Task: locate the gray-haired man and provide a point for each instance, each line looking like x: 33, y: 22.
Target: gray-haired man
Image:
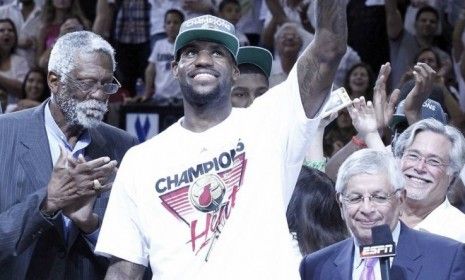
x: 432, y: 155
x: 57, y: 161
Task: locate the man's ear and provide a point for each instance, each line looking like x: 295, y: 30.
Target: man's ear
x: 53, y: 81
x: 235, y: 72
x: 174, y: 68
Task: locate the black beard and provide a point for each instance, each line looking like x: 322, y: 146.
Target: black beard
x: 197, y: 99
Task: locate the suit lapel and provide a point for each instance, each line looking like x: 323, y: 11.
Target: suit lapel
x: 344, y: 260
x: 35, y: 157
x: 408, y: 255
x: 34, y: 149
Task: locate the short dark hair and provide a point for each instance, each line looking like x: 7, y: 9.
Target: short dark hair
x: 428, y: 49
x: 15, y: 45
x: 248, y: 68
x: 427, y: 9
x: 174, y: 11
x: 313, y: 213
x: 226, y: 2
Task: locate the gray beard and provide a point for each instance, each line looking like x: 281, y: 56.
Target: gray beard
x: 87, y: 113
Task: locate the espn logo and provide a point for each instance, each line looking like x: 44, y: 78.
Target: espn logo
x: 377, y: 251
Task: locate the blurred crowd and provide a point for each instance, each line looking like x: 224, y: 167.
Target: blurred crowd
x: 143, y: 32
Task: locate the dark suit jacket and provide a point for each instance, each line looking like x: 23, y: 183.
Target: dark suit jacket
x: 32, y: 247
x: 419, y: 255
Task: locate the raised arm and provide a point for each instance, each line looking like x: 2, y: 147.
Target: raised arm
x: 318, y: 64
x: 394, y: 23
x: 457, y: 44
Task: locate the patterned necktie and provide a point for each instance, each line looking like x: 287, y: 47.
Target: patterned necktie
x: 368, y: 272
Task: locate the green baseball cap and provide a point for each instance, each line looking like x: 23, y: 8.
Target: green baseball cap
x: 207, y: 28
x: 257, y: 56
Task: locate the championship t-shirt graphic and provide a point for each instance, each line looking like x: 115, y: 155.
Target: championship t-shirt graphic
x: 204, y: 195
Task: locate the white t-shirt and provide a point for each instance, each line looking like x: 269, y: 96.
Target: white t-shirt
x: 162, y: 55
x: 162, y: 205
x: 445, y: 220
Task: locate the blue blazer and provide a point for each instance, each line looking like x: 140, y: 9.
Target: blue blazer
x: 419, y: 255
x: 31, y: 246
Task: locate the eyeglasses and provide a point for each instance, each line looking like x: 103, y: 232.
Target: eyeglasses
x: 430, y: 161
x: 93, y: 86
x: 376, y: 198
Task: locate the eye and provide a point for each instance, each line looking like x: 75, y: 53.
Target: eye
x: 189, y: 52
x: 413, y: 157
x: 238, y: 94
x: 380, y: 198
x: 433, y: 162
x: 354, y: 198
x: 218, y: 53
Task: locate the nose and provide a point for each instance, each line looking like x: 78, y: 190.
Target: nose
x: 204, y: 58
x: 98, y: 93
x: 420, y: 164
x: 366, y: 205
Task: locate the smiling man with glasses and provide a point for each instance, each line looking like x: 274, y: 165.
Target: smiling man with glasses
x: 370, y: 192
x: 432, y: 155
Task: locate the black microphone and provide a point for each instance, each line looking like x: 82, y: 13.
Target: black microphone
x: 383, y: 247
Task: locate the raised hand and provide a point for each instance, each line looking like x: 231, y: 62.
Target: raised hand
x: 364, y: 120
x: 384, y: 107
x: 424, y: 80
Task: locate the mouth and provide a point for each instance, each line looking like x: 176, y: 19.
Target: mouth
x: 204, y: 76
x: 416, y: 179
x: 366, y: 223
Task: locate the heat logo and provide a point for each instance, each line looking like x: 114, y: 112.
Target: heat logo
x: 206, y: 194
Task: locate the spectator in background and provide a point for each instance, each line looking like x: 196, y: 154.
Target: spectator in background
x: 71, y: 24
x: 131, y: 39
x: 338, y: 134
x: 432, y: 155
x: 359, y: 81
x: 254, y: 64
x: 290, y: 39
x: 313, y: 215
x: 26, y: 14
x: 458, y: 55
x: 230, y: 10
x: 34, y: 89
x: 54, y: 13
x: 404, y: 46
x: 160, y: 84
x: 366, y: 24
x: 13, y: 67
x: 440, y: 87
x: 370, y: 192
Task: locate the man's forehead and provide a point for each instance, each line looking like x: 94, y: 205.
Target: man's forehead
x: 379, y: 181
x: 204, y: 44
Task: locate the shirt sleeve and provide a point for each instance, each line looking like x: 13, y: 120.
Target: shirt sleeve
x: 121, y: 234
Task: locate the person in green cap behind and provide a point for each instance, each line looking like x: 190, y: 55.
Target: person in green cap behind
x: 255, y: 67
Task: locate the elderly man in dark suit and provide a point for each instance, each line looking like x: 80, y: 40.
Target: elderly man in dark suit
x: 371, y: 193
x: 56, y: 163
